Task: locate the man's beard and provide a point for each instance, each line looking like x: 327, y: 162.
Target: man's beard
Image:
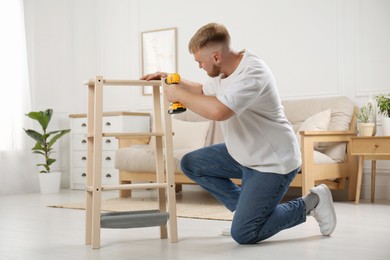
x: 214, y: 72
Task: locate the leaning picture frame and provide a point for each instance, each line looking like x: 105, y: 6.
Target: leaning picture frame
x: 158, y: 53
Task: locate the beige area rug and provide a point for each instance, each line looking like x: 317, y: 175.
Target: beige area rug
x: 198, y: 205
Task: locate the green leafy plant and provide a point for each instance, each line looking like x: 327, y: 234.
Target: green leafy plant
x: 383, y: 104
x: 366, y: 113
x: 44, y: 140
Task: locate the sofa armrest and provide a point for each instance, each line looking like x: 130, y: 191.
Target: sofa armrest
x: 323, y: 133
x: 326, y: 136
x: 309, y: 138
x: 312, y: 172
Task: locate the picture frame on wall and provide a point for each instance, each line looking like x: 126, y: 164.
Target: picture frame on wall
x: 159, y: 53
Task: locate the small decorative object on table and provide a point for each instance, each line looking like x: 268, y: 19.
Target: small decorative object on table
x: 49, y: 181
x: 383, y: 102
x: 366, y: 117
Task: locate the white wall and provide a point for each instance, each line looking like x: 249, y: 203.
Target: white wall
x: 315, y: 48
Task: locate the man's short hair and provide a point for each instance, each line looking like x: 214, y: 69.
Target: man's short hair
x: 208, y: 34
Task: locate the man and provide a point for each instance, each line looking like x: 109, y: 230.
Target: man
x: 260, y: 146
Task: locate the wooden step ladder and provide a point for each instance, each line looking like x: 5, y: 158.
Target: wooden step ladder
x: 165, y: 184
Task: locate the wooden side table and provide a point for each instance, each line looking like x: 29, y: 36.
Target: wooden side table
x: 369, y: 148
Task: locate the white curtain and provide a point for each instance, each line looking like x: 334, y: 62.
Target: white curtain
x: 17, y: 171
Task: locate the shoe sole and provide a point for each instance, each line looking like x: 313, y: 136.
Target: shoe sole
x: 329, y: 197
x: 329, y: 194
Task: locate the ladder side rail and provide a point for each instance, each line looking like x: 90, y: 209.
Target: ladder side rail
x: 169, y: 169
x: 159, y: 155
x: 90, y: 148
x: 97, y: 162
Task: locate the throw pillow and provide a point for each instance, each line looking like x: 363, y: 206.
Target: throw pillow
x: 189, y: 135
x: 317, y: 122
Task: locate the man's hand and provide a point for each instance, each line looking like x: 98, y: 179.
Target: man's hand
x: 172, y: 92
x: 154, y: 76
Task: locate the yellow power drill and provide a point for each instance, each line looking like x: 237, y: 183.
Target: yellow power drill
x: 174, y: 107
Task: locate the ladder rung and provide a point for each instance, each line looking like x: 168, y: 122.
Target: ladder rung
x: 118, y: 82
x: 131, y: 186
x: 129, y: 135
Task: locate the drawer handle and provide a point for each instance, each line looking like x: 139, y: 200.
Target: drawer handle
x: 108, y: 123
x: 83, y: 158
x: 108, y: 175
x: 84, y: 174
x: 108, y: 158
x: 83, y: 141
x: 83, y: 125
x: 376, y: 146
x: 108, y: 141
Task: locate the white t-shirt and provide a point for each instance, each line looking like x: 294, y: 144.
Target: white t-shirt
x: 259, y: 135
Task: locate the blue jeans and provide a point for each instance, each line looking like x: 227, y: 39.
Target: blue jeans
x: 258, y: 212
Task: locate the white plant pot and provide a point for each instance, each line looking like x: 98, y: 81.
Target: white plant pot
x: 50, y: 182
x: 366, y: 129
x: 386, y: 126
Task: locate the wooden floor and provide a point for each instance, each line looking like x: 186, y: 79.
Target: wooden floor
x: 30, y: 230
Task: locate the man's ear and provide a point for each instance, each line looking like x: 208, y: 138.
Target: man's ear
x: 217, y: 58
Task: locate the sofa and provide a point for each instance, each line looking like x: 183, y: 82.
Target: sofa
x: 323, y: 126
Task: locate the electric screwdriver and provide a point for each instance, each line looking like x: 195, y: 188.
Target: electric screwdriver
x: 174, y: 107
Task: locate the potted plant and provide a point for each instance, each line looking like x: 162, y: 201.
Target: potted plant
x: 49, y: 181
x: 383, y: 102
x: 365, y: 117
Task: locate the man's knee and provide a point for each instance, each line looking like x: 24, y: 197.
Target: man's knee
x: 244, y: 235
x: 187, y: 163
x: 184, y: 162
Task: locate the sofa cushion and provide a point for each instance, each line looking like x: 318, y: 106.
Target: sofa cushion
x: 317, y: 122
x: 188, y: 136
x: 142, y: 158
x: 342, y: 109
x: 214, y: 134
x: 342, y: 114
x: 320, y: 158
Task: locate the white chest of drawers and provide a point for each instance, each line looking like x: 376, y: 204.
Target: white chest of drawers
x: 118, y: 122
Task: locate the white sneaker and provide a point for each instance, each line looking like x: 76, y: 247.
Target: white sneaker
x: 226, y: 232
x: 324, y: 212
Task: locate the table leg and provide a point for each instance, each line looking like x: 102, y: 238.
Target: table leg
x: 373, y: 175
x: 359, y: 179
